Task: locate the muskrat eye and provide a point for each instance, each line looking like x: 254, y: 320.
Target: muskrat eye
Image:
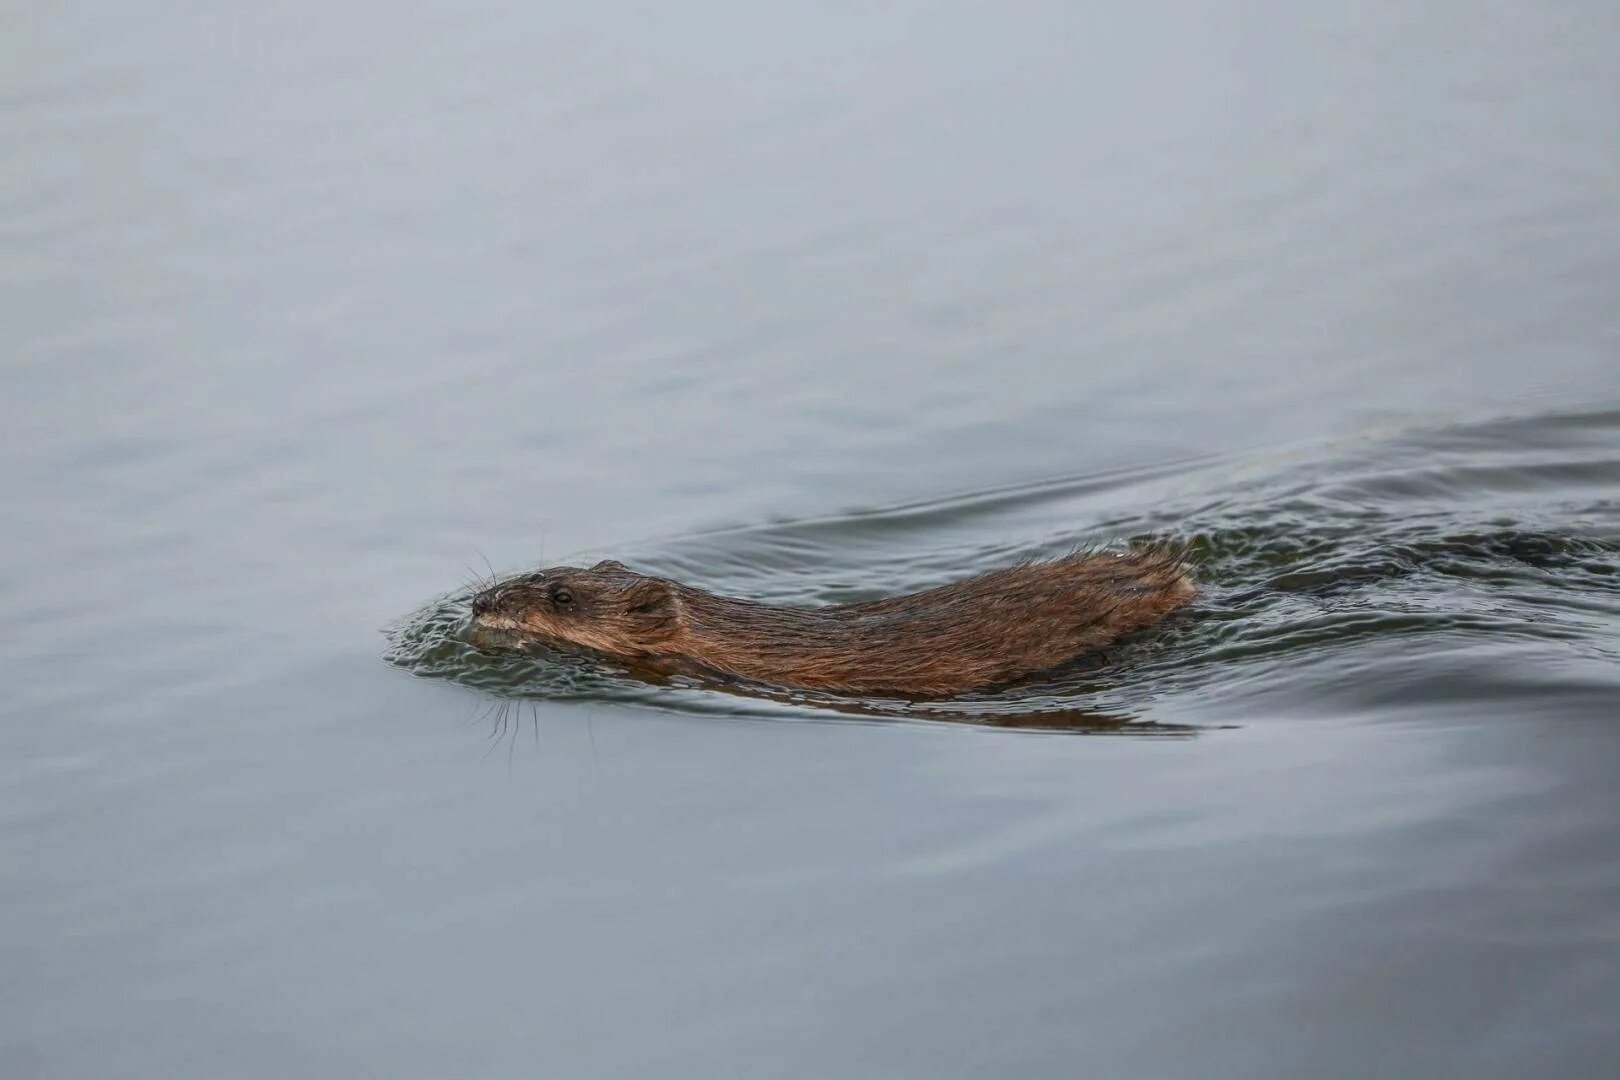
x: 562, y: 596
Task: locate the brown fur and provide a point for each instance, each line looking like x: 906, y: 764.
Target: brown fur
x: 968, y: 635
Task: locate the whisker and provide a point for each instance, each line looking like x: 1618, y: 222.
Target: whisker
x: 492, y: 574
x: 511, y: 748
x: 492, y: 745
x: 590, y: 730
x: 481, y: 709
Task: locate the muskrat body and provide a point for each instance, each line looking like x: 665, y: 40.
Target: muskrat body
x: 968, y: 635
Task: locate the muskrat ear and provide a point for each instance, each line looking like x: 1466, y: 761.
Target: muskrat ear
x: 652, y: 596
x: 610, y: 564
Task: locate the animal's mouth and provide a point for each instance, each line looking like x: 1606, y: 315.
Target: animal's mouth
x: 494, y: 620
x: 490, y: 630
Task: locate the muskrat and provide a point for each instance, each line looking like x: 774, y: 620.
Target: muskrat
x: 980, y: 632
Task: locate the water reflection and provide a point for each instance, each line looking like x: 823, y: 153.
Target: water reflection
x: 1000, y: 709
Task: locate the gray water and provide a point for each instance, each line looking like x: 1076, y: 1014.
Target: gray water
x: 309, y: 309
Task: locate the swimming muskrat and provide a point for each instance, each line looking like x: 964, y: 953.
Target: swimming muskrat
x: 980, y: 632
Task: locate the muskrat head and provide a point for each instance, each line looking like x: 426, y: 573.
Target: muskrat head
x: 607, y: 607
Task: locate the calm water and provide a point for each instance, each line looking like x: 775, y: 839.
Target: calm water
x: 307, y: 310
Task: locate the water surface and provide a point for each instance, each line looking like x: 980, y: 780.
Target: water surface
x: 308, y: 312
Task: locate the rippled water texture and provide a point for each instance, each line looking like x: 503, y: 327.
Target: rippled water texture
x: 309, y: 311
x: 1322, y: 589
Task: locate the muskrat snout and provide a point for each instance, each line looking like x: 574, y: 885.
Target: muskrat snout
x: 498, y: 606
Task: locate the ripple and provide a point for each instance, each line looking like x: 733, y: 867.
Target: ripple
x: 1312, y: 584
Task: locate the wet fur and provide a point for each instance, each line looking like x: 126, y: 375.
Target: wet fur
x: 968, y: 635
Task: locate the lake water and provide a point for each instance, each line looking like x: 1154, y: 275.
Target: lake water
x: 308, y: 310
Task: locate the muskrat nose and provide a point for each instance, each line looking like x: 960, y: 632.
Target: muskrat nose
x: 483, y: 603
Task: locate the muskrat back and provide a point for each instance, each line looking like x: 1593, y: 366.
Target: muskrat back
x: 971, y: 634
